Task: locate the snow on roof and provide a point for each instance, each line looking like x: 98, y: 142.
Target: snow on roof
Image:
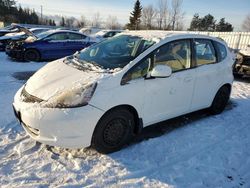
x: 149, y: 34
x: 157, y: 35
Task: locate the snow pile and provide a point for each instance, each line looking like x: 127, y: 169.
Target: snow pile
x: 199, y: 151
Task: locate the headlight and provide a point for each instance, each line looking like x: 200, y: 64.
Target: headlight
x: 75, y: 97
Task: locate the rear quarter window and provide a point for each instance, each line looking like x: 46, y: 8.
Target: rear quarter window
x: 221, y: 51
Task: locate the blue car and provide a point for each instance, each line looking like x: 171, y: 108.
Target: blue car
x: 50, y: 45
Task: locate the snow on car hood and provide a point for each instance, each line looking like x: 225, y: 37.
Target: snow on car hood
x: 57, y: 77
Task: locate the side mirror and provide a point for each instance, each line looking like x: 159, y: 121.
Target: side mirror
x: 161, y: 71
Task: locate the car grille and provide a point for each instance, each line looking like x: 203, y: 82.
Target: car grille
x: 26, y: 97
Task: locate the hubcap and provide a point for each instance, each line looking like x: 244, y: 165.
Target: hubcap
x: 31, y: 56
x: 114, y: 132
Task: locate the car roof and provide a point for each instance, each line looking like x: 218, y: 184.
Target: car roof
x: 62, y: 31
x: 38, y: 28
x: 159, y: 36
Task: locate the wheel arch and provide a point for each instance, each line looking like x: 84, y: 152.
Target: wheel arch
x: 35, y: 49
x: 227, y: 85
x: 138, y: 121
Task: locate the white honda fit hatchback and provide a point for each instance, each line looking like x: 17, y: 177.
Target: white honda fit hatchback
x: 105, y: 94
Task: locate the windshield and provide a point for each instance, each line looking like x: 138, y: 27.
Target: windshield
x: 44, y: 34
x: 114, y: 53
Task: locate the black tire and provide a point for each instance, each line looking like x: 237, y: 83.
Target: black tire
x: 113, y: 131
x: 32, y: 55
x: 220, y: 100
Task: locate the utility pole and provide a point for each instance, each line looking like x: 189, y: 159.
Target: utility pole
x: 41, y: 13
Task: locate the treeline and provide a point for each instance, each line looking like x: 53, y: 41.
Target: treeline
x: 208, y: 23
x: 10, y: 13
x: 169, y: 16
x: 163, y: 15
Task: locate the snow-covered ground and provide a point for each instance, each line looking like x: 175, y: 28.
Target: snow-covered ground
x: 197, y: 150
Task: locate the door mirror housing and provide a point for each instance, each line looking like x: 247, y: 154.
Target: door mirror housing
x: 161, y: 71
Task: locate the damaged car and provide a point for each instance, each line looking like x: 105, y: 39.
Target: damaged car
x: 106, y: 94
x: 21, y: 35
x: 242, y: 64
x: 8, y: 29
x: 50, y: 45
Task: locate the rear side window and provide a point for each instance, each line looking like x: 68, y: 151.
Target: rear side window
x: 58, y: 36
x: 221, y: 51
x: 205, y: 52
x: 75, y: 36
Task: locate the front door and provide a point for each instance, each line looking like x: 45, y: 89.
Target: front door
x: 170, y: 97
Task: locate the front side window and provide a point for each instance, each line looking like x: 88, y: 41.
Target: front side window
x: 138, y: 71
x: 176, y: 55
x: 205, y: 53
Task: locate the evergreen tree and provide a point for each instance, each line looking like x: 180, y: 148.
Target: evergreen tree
x: 50, y: 22
x: 135, y: 18
x: 62, y: 23
x: 53, y: 23
x: 195, y: 23
x: 10, y: 13
x: 207, y: 23
x: 224, y: 26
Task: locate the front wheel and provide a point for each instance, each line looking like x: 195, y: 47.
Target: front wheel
x: 31, y: 55
x: 113, y: 131
x: 220, y: 100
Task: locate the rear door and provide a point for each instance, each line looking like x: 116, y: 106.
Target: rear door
x: 208, y: 73
x: 77, y: 42
x: 54, y: 46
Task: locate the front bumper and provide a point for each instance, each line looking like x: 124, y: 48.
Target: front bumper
x: 67, y: 128
x: 242, y: 69
x: 15, y: 53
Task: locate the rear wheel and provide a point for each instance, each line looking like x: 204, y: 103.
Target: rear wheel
x: 113, y: 131
x: 220, y: 100
x: 32, y: 55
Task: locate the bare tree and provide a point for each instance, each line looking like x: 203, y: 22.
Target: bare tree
x: 82, y: 22
x: 176, y: 13
x: 162, y: 15
x: 69, y: 22
x: 246, y: 23
x: 96, y: 21
x: 112, y: 23
x: 148, y: 14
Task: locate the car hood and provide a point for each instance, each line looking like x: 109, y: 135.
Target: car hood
x: 245, y: 52
x: 57, y: 77
x: 12, y: 36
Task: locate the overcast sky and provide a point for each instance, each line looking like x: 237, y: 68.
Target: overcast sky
x: 234, y: 11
